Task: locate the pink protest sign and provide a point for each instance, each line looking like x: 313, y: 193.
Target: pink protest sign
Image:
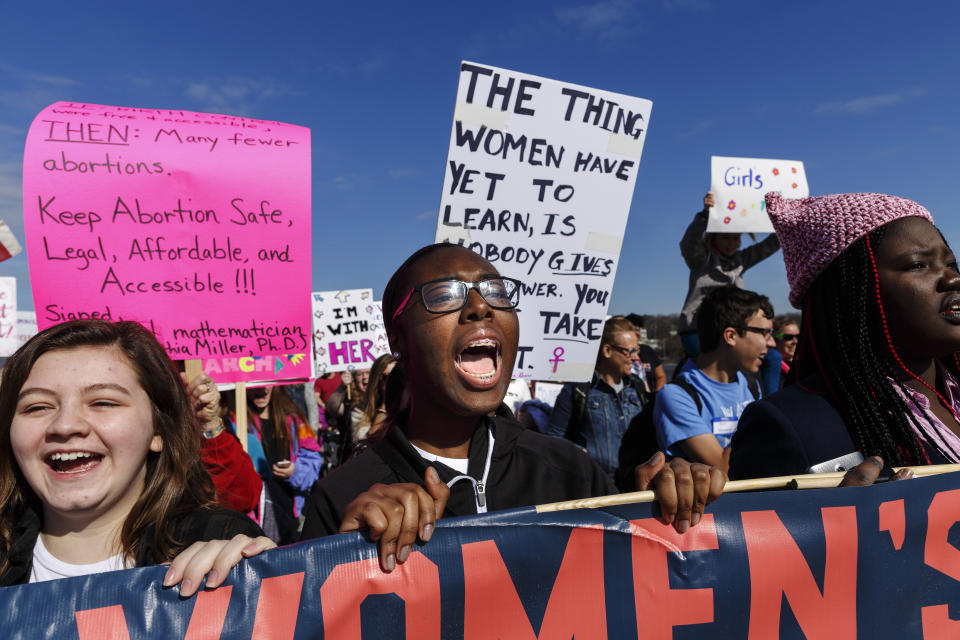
x: 197, y: 225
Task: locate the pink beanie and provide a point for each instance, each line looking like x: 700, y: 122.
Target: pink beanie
x: 814, y: 231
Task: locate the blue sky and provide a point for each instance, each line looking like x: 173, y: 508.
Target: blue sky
x: 864, y: 93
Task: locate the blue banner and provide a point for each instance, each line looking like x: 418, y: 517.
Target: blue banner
x: 875, y: 562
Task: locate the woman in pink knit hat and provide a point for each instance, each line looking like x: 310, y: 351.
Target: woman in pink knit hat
x: 876, y: 369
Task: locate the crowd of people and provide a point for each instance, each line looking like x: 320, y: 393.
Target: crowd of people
x: 111, y: 458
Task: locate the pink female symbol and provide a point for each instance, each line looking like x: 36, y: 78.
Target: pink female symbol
x: 556, y: 359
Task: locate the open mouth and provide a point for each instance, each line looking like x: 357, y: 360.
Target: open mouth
x: 73, y: 461
x: 480, y: 360
x: 951, y: 308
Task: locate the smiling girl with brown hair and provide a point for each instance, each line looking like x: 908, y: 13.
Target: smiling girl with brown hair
x: 100, y: 461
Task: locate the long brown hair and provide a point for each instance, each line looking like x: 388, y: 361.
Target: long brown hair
x: 176, y: 481
x: 376, y: 387
x: 282, y: 408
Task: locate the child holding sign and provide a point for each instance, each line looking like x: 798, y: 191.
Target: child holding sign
x: 716, y: 260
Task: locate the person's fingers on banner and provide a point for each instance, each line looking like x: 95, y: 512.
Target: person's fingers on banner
x: 440, y: 492
x: 365, y: 513
x: 864, y: 474
x: 701, y: 491
x: 418, y: 508
x: 682, y: 490
x: 718, y: 480
x: 683, y: 480
x: 390, y: 514
x: 354, y: 518
x: 645, y: 473
x: 214, y: 559
x: 396, y: 515
x: 867, y: 472
x: 664, y: 488
x: 402, y: 520
x: 903, y: 474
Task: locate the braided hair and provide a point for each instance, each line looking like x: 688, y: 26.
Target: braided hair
x: 844, y: 338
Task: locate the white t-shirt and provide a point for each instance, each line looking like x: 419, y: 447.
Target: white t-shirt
x: 47, y: 567
x: 457, y: 464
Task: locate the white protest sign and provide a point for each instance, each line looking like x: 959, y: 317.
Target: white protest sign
x: 9, y: 246
x: 548, y: 392
x: 539, y: 180
x: 26, y: 326
x: 348, y: 330
x: 738, y: 186
x: 8, y: 317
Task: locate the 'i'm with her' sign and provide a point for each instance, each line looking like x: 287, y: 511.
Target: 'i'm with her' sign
x: 539, y: 180
x: 348, y: 330
x: 195, y: 224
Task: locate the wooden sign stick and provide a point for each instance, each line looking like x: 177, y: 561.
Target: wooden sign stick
x: 193, y: 368
x: 241, y: 410
x: 808, y: 481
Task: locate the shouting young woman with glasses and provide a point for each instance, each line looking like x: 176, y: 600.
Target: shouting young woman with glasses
x: 452, y: 323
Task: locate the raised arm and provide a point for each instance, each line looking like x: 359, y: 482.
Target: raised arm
x: 692, y: 249
x: 759, y: 251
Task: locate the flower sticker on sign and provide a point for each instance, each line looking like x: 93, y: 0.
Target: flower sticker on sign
x: 742, y: 182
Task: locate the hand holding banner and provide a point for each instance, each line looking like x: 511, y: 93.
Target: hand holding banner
x: 873, y: 562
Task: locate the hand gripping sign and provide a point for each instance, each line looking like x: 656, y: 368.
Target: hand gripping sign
x: 195, y: 224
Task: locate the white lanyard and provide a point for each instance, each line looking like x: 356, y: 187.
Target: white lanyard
x: 479, y: 487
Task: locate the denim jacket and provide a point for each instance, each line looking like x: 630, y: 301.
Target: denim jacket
x: 605, y: 418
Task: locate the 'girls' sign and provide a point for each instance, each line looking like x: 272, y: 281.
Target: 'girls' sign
x: 738, y: 186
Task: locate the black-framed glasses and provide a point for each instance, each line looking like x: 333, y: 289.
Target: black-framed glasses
x: 766, y: 332
x: 625, y: 351
x: 450, y: 294
x: 787, y: 337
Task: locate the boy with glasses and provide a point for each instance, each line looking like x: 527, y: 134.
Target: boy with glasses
x: 697, y: 417
x: 595, y: 415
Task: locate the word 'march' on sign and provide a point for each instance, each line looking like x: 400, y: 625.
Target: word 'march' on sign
x: 539, y: 180
x: 195, y: 224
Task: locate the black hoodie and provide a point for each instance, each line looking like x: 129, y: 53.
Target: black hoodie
x: 526, y: 469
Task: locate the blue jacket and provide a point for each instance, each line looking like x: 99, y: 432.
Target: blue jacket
x: 605, y: 418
